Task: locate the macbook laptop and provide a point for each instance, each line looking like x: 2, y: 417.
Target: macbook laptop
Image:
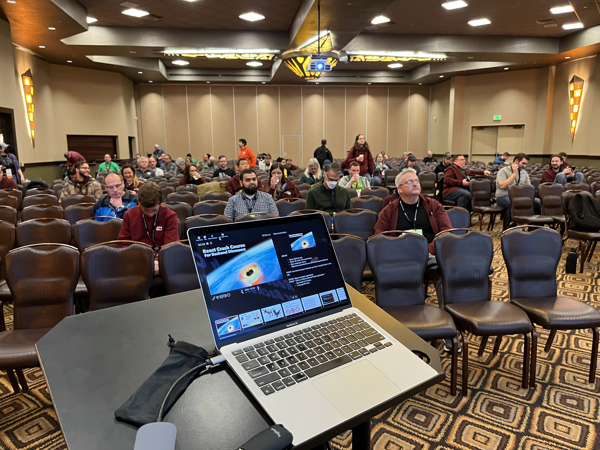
x: 282, y: 317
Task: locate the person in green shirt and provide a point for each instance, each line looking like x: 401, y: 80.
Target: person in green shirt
x: 313, y: 173
x: 108, y: 165
x: 353, y: 180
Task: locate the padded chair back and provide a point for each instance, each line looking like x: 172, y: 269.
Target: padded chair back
x: 328, y: 219
x: 8, y: 200
x: 87, y: 233
x: 38, y: 192
x: 167, y: 190
x: 550, y: 196
x: 255, y: 216
x: 304, y: 187
x: 567, y: 196
x: 351, y: 253
x: 192, y: 189
x: 352, y: 193
x: 117, y: 275
x: 371, y: 203
x: 481, y: 192
x: 376, y: 191
x: 464, y: 263
x: 531, y: 260
x: 42, y: 280
x: 535, y: 182
x: 223, y: 196
x: 182, y: 209
x: 521, y: 199
x: 286, y: 206
x: 427, y: 180
x: 577, y: 186
x: 202, y: 220
x: 595, y: 187
x: 42, y: 211
x: 390, y: 177
x: 43, y: 231
x: 8, y: 214
x: 398, y: 266
x: 7, y: 242
x: 42, y: 199
x: 356, y: 222
x: 15, y: 193
x: 185, y: 197
x: 77, y: 199
x: 210, y: 207
x: 459, y: 218
x: 177, y: 268
x: 77, y: 212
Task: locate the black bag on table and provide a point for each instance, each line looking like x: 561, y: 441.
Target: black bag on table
x: 585, y: 213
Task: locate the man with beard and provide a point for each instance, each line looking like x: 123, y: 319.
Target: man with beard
x: 559, y: 173
x: 82, y: 183
x: 250, y: 199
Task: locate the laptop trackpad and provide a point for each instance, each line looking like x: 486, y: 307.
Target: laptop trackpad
x: 356, y: 388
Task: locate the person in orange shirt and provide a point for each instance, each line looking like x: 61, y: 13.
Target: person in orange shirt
x: 246, y: 153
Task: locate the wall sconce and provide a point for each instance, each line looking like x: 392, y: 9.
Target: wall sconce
x: 27, y: 81
x: 575, y: 94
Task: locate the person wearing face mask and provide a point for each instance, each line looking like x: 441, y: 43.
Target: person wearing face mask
x: 279, y: 186
x: 328, y: 196
x: 250, y: 199
x: 191, y: 176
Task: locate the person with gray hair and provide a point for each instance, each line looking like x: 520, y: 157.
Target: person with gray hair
x: 143, y: 171
x: 180, y: 163
x: 313, y: 173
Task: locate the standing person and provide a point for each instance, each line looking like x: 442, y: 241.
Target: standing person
x: 152, y: 165
x: 250, y: 199
x: 322, y: 153
x: 73, y: 158
x: 279, y: 186
x: 329, y: 196
x: 558, y: 173
x: 11, y: 164
x: 158, y: 152
x: 353, y: 180
x: 116, y: 202
x: 361, y: 153
x: 108, y: 165
x: 266, y: 163
x: 513, y: 175
x: 191, y: 176
x: 429, y: 158
x: 246, y: 153
x: 456, y: 182
x: 143, y: 171
x: 132, y: 182
x: 168, y: 164
x: 313, y: 173
x: 380, y: 167
x: 83, y: 184
x: 234, y: 185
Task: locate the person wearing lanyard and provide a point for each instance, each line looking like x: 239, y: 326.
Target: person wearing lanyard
x: 279, y: 186
x: 250, y: 199
x: 510, y: 176
x: 12, y: 170
x: 328, y: 195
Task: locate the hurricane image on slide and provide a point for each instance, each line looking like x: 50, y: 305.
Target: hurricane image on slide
x: 304, y: 242
x: 257, y: 265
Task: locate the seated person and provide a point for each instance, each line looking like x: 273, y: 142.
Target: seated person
x: 180, y: 163
x: 82, y: 183
x: 266, y: 163
x: 152, y: 165
x: 513, y: 175
x: 313, y: 173
x: 116, y: 202
x: 410, y: 163
x: 108, y: 165
x: 250, y: 199
x: 563, y: 157
x: 446, y: 162
x: 501, y: 159
x: 380, y: 167
x: 168, y: 164
x: 234, y: 185
x: 191, y: 176
x: 328, y: 195
x: 6, y: 183
x: 353, y: 180
x: 143, y: 171
x: 279, y: 186
x: 132, y: 182
x: 429, y: 158
x: 290, y: 165
x: 456, y: 182
x: 223, y: 172
x: 559, y: 173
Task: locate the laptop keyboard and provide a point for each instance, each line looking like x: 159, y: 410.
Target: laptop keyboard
x: 279, y: 363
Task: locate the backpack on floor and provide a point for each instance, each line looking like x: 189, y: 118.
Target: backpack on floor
x: 585, y: 213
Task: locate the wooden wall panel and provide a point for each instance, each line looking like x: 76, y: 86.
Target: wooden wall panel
x: 419, y: 121
x: 398, y: 121
x: 312, y: 108
x: 335, y: 117
x: 377, y: 123
x: 225, y: 141
x: 201, y: 134
x: 176, y: 120
x: 356, y: 114
x: 152, y: 117
x: 246, y: 125
x: 291, y: 111
x: 268, y: 120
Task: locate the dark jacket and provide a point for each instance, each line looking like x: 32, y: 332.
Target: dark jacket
x: 220, y: 173
x: 366, y: 166
x: 453, y: 179
x: 318, y: 198
x: 323, y: 153
x: 438, y: 218
x: 441, y: 168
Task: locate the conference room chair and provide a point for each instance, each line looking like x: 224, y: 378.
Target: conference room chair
x: 428, y: 181
x: 304, y: 194
x: 371, y: 203
x: 459, y: 217
x: 398, y: 264
x: 352, y: 193
x: 328, y: 219
x: 163, y: 183
x: 286, y: 206
x: 117, y: 275
x: 57, y: 188
x: 390, y: 179
x: 202, y: 220
x: 186, y: 197
x: 575, y: 186
x: 587, y: 239
x: 42, y: 199
x: 595, y: 187
x: 192, y: 189
x: 10, y: 201
x: 42, y: 279
x: 598, y: 196
x: 8, y: 214
x: 177, y: 268
x: 223, y: 196
x: 36, y: 191
x: 77, y: 199
x: 463, y: 262
x: 7, y: 242
x: 41, y: 231
x: 209, y: 207
x: 357, y: 222
x: 166, y: 190
x: 89, y: 232
x: 376, y: 191
x: 182, y: 209
x: 303, y: 187
x: 550, y: 196
x: 532, y: 260
x: 77, y: 212
x: 521, y: 202
x: 351, y: 253
x: 255, y: 216
x: 12, y: 193
x: 481, y: 201
x: 42, y: 211
x: 535, y: 182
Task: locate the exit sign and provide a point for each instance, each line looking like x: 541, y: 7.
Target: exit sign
x: 498, y: 117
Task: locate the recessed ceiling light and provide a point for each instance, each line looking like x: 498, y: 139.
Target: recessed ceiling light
x: 380, y: 19
x: 208, y: 82
x: 42, y: 46
x: 395, y: 65
x: 51, y: 28
x: 150, y: 81
x: 572, y: 26
x: 318, y: 83
x: 133, y: 12
x: 254, y: 64
x: 454, y: 5
x: 470, y: 57
x: 368, y: 83
x: 140, y: 72
x: 132, y: 51
x: 567, y: 57
x: 91, y: 20
x: 441, y: 76
x: 11, y: 1
x: 252, y: 17
x: 561, y: 9
x: 69, y: 61
x: 479, y: 22
x: 420, y: 84
x: 263, y: 82
x: 180, y: 62
x: 506, y: 68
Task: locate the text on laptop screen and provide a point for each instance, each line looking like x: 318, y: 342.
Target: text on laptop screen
x: 261, y: 276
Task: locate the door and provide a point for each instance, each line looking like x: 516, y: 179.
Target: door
x: 291, y: 147
x: 484, y: 141
x: 511, y: 139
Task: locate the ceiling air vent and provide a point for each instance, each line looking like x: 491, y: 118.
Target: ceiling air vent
x: 547, y: 23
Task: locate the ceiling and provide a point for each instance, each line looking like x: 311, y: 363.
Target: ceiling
x: 523, y: 34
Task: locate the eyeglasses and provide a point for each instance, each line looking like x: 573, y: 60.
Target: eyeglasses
x: 83, y: 167
x: 114, y: 186
x: 411, y: 182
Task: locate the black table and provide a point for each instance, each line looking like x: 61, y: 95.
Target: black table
x: 94, y: 361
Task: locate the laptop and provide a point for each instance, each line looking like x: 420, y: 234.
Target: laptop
x: 283, y: 318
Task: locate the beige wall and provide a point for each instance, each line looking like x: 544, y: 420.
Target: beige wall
x: 278, y: 119
x: 439, y: 118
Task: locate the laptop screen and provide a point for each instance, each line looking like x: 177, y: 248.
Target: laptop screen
x: 262, y: 276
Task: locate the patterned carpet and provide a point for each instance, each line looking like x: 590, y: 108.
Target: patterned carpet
x: 562, y: 412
